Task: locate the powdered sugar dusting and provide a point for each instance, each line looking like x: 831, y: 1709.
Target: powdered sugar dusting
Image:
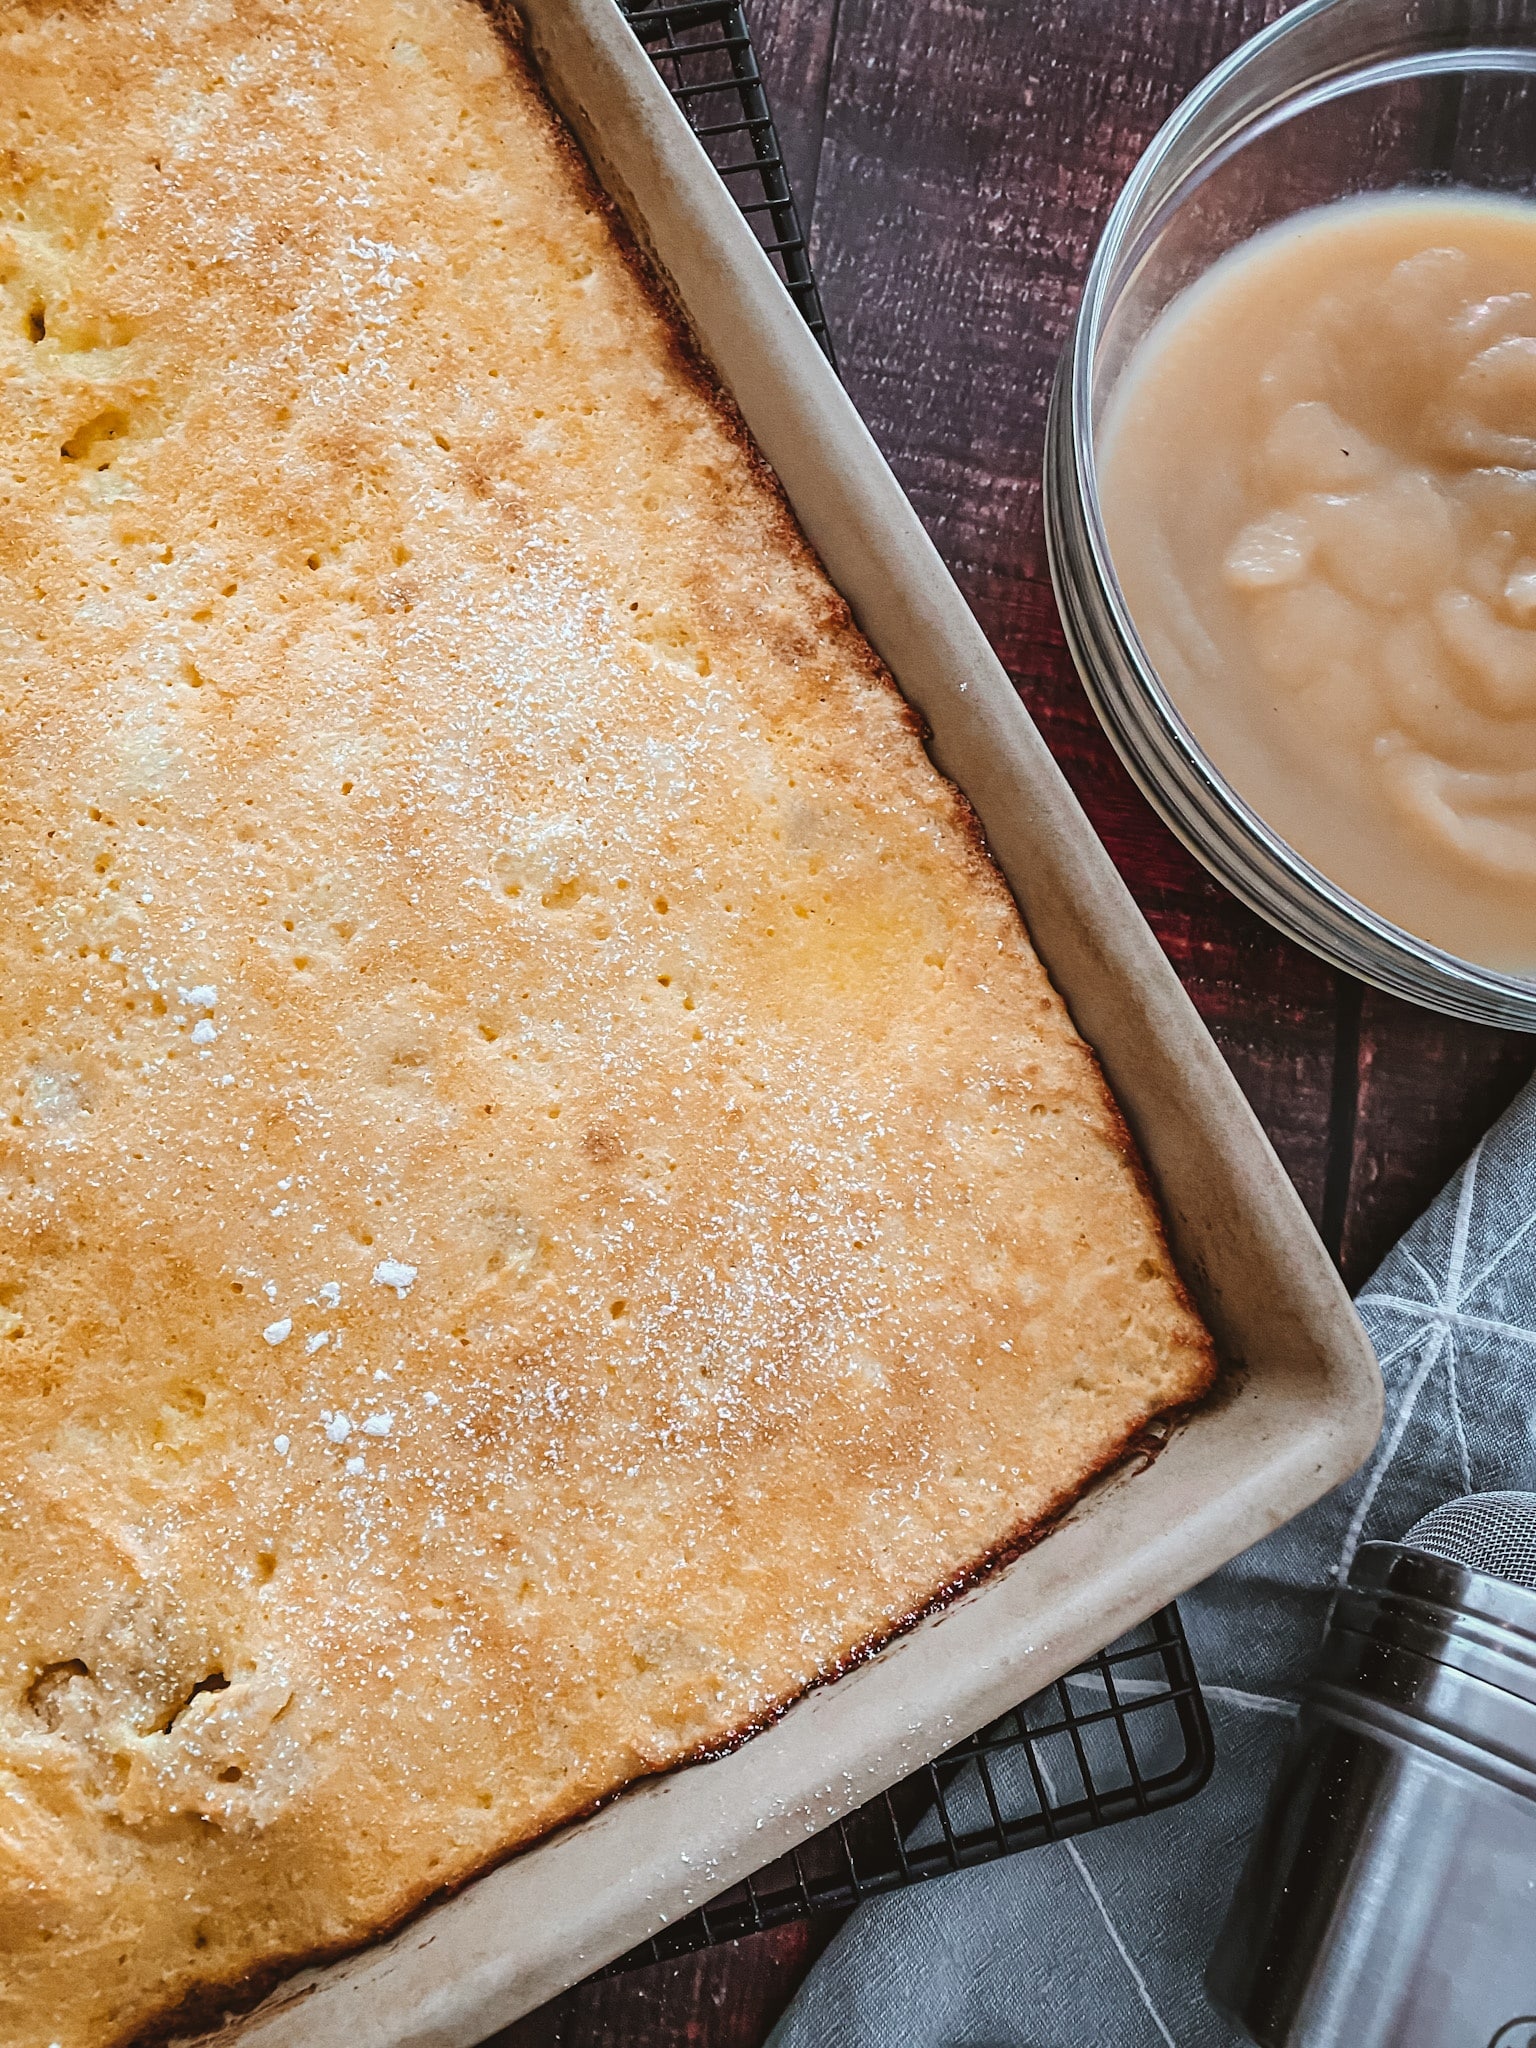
x: 637, y: 1118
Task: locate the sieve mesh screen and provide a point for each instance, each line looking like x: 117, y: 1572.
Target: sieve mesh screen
x: 1488, y: 1532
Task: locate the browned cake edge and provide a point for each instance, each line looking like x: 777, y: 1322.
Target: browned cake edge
x: 212, y: 2005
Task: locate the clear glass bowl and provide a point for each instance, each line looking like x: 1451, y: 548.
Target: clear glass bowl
x: 1339, y: 97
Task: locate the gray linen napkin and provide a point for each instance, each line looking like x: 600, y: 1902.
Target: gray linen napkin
x: 1106, y: 1938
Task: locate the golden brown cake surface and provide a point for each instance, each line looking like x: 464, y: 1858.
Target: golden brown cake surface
x: 545, y: 1200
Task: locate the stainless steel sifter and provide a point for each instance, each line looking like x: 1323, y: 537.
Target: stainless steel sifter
x: 1389, y: 1901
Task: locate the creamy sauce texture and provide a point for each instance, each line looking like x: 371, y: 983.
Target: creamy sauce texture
x: 1318, y: 475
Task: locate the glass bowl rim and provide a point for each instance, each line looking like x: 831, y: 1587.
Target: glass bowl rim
x: 1502, y: 991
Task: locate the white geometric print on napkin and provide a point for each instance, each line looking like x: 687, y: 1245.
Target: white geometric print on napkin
x: 1106, y: 1938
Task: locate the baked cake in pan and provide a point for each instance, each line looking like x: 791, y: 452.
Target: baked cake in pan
x: 546, y: 1203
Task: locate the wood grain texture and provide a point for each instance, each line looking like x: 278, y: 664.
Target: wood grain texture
x: 1427, y: 1090
x: 794, y: 41
x: 954, y: 161
x: 729, y: 1994
x: 974, y: 152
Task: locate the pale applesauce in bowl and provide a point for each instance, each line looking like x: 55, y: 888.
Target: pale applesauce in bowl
x: 1318, y: 483
x: 1290, y: 488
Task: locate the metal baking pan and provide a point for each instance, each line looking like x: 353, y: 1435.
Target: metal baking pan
x: 1299, y: 1403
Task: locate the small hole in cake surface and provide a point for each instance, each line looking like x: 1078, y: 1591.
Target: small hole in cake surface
x: 214, y: 1682
x: 45, y: 1695
x: 88, y: 443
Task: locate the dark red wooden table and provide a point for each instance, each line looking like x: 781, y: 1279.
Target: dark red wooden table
x: 954, y: 160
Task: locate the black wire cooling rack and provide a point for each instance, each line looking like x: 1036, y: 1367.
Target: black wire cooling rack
x: 704, y: 53
x: 1125, y: 1734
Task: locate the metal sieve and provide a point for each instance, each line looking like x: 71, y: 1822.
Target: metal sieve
x: 1389, y: 1900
